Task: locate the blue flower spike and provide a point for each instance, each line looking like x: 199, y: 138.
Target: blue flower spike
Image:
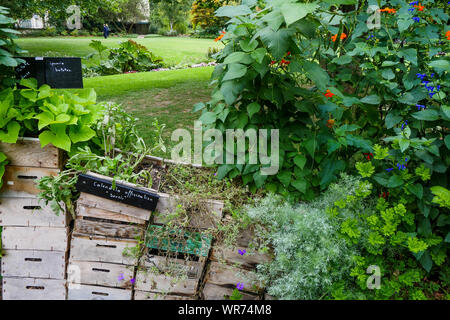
x: 416, y: 19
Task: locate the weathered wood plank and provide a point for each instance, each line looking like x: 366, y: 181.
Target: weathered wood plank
x: 92, y: 201
x: 103, y: 274
x: 215, y: 292
x: 33, y: 289
x: 189, y: 269
x: 231, y: 256
x: 85, y: 292
x: 88, y: 227
x: 34, y: 264
x: 159, y: 283
x: 85, y: 211
x: 227, y: 276
x: 142, y: 295
x: 208, y: 218
x: 100, y: 249
x: 21, y: 181
x: 29, y: 212
x: 35, y: 238
x: 27, y: 152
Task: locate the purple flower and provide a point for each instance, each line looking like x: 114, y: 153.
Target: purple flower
x: 431, y: 94
x: 420, y: 106
x: 240, y: 286
x: 389, y: 169
x: 132, y: 280
x: 413, y: 3
x: 438, y: 87
x: 425, y: 82
x: 242, y: 252
x: 411, y: 9
x: 432, y: 75
x: 416, y: 19
x: 121, y: 277
x: 370, y: 37
x: 404, y: 124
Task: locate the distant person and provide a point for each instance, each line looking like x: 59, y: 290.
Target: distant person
x: 105, y: 31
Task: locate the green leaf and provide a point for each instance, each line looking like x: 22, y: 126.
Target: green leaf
x: 315, y: 72
x: 342, y: 60
x: 372, y: 99
x: 235, y: 71
x: 394, y: 181
x: 277, y: 41
x: 440, y: 65
x: 404, y: 144
x: 30, y: 83
x: 426, y: 261
x: 233, y: 11
x: 45, y: 119
x: 248, y: 45
x: 300, y: 161
x: 293, y: 12
x: 447, y: 141
x: 416, y: 189
x: 259, y: 54
x: 300, y: 185
x: 60, y: 140
x: 388, y: 74
x: 81, y: 133
x: 365, y: 169
x: 409, y: 54
x: 285, y: 178
x: 391, y: 120
x: 12, y: 134
x: 239, y: 57
x: 427, y: 115
x: 253, y: 108
x: 259, y: 179
x: 198, y: 107
x: 208, y: 118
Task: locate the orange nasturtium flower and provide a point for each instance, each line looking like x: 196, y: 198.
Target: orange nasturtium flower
x: 328, y: 94
x: 330, y: 123
x: 220, y: 37
x: 388, y: 10
x: 419, y: 7
x: 343, y: 36
x: 447, y: 34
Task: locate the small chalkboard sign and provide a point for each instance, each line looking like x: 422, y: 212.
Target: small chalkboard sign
x: 122, y: 193
x: 63, y: 73
x: 58, y: 73
x: 32, y: 68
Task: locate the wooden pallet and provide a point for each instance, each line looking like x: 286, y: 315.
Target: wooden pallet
x: 206, y: 219
x: 34, y: 264
x: 103, y: 274
x: 35, y: 238
x: 27, y: 152
x: 20, y: 182
x: 231, y: 256
x: 29, y: 212
x: 229, y: 277
x: 33, y: 289
x: 101, y: 249
x: 90, y: 227
x: 215, y: 292
x: 153, y: 275
x: 143, y: 295
x: 86, y: 292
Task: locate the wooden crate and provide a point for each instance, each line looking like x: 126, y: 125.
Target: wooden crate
x: 85, y: 292
x: 231, y: 256
x: 84, y: 226
x: 101, y: 249
x: 227, y: 276
x: 34, y: 264
x: 142, y: 295
x: 152, y: 275
x: 97, y: 207
x: 27, y: 152
x: 35, y: 238
x: 33, y: 289
x: 20, y: 182
x: 215, y: 292
x: 206, y: 219
x: 103, y: 274
x: 29, y: 212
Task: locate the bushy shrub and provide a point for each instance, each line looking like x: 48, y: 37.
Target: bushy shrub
x: 130, y: 56
x: 310, y: 256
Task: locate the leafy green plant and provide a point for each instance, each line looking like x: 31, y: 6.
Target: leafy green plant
x: 8, y: 49
x: 332, y: 86
x: 3, y: 163
x: 129, y: 57
x: 63, y: 119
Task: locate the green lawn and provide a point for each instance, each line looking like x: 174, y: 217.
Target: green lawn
x: 166, y: 95
x: 174, y: 50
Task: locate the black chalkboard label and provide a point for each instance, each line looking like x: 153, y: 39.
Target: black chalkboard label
x: 58, y: 73
x: 124, y: 194
x: 32, y: 68
x: 63, y: 73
